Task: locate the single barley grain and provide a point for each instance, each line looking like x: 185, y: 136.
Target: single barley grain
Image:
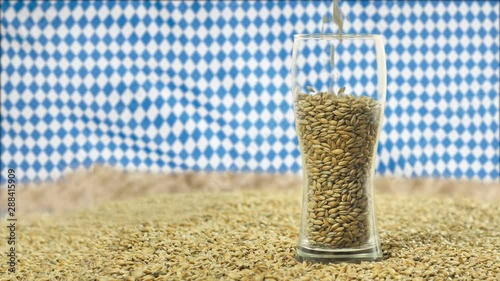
x: 311, y: 89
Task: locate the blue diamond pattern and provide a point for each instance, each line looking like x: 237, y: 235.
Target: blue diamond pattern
x: 188, y: 85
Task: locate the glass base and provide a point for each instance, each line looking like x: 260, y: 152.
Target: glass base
x: 373, y: 253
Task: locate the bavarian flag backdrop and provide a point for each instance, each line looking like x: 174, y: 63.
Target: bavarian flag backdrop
x: 204, y: 85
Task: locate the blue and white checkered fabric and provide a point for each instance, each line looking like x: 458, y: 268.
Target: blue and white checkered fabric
x: 174, y: 86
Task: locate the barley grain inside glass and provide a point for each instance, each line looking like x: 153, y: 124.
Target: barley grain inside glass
x: 338, y: 100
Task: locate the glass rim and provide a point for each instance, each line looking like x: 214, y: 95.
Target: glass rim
x: 334, y: 36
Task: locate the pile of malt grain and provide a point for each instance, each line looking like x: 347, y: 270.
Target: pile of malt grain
x: 338, y: 136
x: 252, y: 235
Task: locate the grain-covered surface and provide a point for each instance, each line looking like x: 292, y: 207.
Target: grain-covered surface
x: 129, y: 226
